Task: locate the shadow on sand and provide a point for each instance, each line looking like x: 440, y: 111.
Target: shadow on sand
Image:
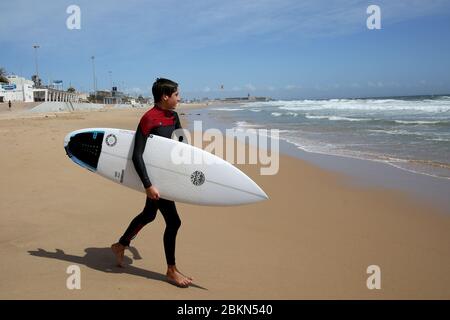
x: 102, y: 259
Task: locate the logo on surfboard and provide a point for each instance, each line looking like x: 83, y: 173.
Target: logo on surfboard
x: 197, y: 178
x: 111, y: 140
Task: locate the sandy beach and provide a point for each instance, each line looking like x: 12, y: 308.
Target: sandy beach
x: 313, y: 239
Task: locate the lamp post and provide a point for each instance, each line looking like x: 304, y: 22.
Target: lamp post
x: 36, y: 62
x: 110, y: 79
x: 93, y: 74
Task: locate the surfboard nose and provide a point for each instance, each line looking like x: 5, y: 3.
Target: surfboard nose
x: 263, y: 194
x: 257, y: 191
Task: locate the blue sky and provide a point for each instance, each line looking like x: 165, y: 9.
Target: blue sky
x: 282, y: 48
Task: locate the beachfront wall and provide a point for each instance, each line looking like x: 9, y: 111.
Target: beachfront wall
x: 51, y: 106
x: 65, y: 106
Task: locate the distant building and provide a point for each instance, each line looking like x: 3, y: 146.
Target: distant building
x: 113, y: 97
x: 18, y: 89
x: 21, y: 89
x: 248, y: 98
x: 259, y: 99
x: 83, y: 96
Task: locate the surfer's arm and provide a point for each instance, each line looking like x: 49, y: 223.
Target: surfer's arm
x: 140, y: 140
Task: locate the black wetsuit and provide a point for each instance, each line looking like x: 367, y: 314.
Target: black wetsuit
x: 162, y: 123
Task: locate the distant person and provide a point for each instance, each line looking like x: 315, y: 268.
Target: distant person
x: 160, y: 120
x: 9, y: 105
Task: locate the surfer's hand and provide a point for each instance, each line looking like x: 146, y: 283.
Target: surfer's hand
x: 152, y: 193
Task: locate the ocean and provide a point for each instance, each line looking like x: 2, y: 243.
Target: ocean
x: 411, y: 133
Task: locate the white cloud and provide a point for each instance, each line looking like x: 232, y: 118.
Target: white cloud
x: 293, y: 87
x: 377, y: 84
x: 250, y: 87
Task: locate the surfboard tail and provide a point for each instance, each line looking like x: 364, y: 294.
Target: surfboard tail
x: 84, y: 148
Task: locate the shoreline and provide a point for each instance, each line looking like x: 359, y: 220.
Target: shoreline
x: 372, y: 173
x: 364, y: 172
x: 414, y: 140
x: 432, y: 189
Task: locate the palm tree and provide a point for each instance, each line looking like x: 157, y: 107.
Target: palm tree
x: 3, y: 76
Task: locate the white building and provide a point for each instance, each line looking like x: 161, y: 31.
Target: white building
x: 18, y: 89
x: 21, y: 89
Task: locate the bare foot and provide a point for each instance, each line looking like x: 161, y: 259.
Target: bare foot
x: 183, y: 274
x: 118, y: 251
x: 175, y: 277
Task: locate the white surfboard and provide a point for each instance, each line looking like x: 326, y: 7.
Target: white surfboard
x: 213, y: 181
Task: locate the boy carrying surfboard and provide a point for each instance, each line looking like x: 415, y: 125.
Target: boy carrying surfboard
x: 161, y: 120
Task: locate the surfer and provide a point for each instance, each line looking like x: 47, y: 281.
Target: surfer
x: 161, y: 120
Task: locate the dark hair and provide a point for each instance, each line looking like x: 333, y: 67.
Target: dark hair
x: 163, y: 87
